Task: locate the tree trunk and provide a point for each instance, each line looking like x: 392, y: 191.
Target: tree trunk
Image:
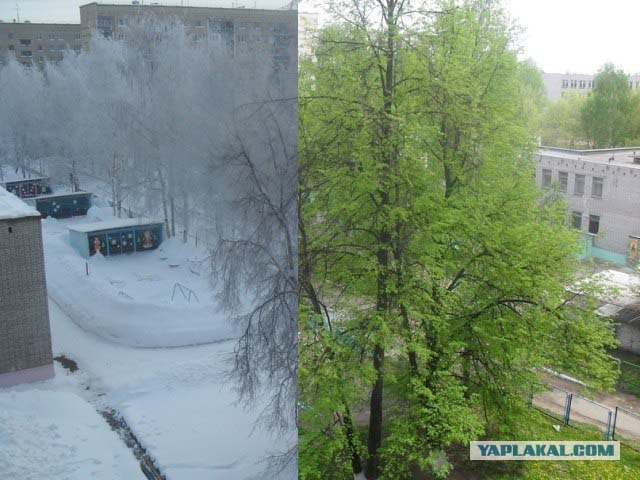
x: 165, y: 208
x: 356, y: 464
x: 172, y: 204
x: 375, y: 417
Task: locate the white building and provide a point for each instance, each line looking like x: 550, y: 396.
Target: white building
x: 557, y: 85
x: 602, y: 188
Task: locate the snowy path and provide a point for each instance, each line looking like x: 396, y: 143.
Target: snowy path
x: 174, y: 400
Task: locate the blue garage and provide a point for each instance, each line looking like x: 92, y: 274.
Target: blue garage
x: 28, y: 187
x: 116, y: 236
x: 62, y: 205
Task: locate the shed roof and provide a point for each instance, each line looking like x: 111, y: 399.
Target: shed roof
x: 59, y: 195
x: 12, y: 207
x: 112, y: 224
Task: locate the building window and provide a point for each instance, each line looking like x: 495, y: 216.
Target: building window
x: 25, y: 42
x: 578, y: 187
x: 77, y: 48
x: 594, y: 224
x: 11, y: 47
x: 546, y: 177
x: 577, y: 220
x: 563, y: 179
x: 26, y: 53
x: 596, y: 187
x: 565, y: 83
x: 39, y: 48
x: 76, y: 36
x: 574, y: 83
x: 38, y: 36
x: 52, y: 36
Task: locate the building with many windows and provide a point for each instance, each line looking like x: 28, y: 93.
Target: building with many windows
x: 36, y: 43
x: 239, y: 30
x: 557, y: 85
x: 602, y: 189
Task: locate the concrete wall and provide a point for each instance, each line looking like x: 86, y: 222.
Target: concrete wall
x: 25, y: 336
x: 619, y: 207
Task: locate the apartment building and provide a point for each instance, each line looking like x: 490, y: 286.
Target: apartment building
x: 602, y: 189
x: 239, y: 30
x: 36, y: 43
x: 308, y: 24
x: 559, y: 84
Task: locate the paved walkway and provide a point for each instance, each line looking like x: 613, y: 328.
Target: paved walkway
x: 596, y: 411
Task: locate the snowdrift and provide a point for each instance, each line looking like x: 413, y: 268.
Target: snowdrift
x: 135, y: 300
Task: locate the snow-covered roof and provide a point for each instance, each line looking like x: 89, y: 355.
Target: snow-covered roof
x: 112, y: 224
x: 626, y: 284
x: 11, y: 177
x: 61, y: 194
x: 12, y: 207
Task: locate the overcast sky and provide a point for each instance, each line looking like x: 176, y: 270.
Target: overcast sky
x: 576, y: 36
x: 560, y: 35
x: 66, y: 11
x: 579, y: 35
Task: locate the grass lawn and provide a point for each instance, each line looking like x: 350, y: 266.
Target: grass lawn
x: 538, y: 426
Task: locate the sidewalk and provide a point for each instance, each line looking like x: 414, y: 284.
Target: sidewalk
x: 593, y: 411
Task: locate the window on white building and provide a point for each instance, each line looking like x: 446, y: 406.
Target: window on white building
x: 596, y: 187
x: 578, y: 186
x: 577, y: 220
x: 594, y: 224
x: 546, y: 177
x: 563, y: 179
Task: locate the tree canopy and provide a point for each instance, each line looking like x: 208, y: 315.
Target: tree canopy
x: 433, y: 277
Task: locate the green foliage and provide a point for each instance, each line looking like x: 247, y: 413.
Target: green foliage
x: 605, y: 115
x: 536, y: 426
x: 431, y: 270
x: 561, y: 124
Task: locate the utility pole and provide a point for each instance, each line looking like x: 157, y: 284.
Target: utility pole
x: 18, y: 12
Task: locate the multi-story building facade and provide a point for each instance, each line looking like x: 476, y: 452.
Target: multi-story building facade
x: 25, y: 335
x: 559, y: 84
x: 36, y: 43
x: 307, y: 32
x: 239, y: 30
x: 602, y: 189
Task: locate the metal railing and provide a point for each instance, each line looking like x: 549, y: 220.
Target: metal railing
x: 616, y: 423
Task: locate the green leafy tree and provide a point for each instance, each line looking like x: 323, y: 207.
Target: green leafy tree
x: 606, y: 113
x: 433, y: 276
x: 561, y: 124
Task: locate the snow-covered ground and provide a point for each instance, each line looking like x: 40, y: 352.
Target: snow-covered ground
x: 175, y: 400
x: 139, y: 299
x: 49, y: 434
